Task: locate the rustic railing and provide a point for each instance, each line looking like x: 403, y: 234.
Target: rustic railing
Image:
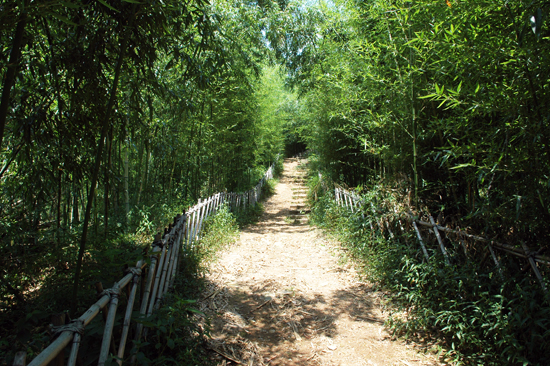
x: 161, y: 272
x: 354, y: 202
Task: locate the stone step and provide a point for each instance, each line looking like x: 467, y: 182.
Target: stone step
x: 299, y: 211
x: 299, y: 219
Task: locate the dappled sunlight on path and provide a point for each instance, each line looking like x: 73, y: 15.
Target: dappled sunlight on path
x: 280, y: 297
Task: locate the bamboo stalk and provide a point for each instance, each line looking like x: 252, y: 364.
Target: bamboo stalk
x: 105, y: 311
x: 162, y: 284
x: 495, y: 259
x: 439, y: 240
x: 194, y: 224
x: 191, y: 228
x: 202, y: 216
x: 175, y: 243
x: 109, y: 324
x: 73, y: 356
x: 513, y: 250
x: 534, y: 267
x: 389, y: 229
x: 20, y: 359
x: 145, y: 300
x: 64, y: 338
x: 58, y: 320
x: 421, y: 241
x: 178, y: 244
x: 157, y: 280
x: 128, y: 315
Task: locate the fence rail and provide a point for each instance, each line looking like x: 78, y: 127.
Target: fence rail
x: 354, y: 202
x: 160, y: 274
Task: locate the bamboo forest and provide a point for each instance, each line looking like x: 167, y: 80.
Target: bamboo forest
x: 157, y: 131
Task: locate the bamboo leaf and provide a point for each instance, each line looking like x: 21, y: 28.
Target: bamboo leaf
x: 109, y: 6
x: 63, y: 19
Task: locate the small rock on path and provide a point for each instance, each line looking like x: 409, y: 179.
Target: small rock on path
x: 281, y: 297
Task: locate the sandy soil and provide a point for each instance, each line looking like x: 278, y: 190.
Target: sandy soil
x: 280, y: 296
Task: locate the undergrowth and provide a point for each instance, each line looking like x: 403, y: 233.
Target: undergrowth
x: 178, y: 330
x: 476, y: 314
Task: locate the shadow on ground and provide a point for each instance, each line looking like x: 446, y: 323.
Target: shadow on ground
x: 277, y: 320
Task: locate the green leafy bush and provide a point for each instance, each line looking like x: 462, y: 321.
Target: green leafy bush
x: 478, y: 316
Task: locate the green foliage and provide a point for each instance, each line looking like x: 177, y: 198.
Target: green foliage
x: 220, y: 230
x: 278, y: 167
x: 466, y: 307
x: 178, y: 88
x: 249, y: 216
x: 444, y: 98
x: 176, y: 335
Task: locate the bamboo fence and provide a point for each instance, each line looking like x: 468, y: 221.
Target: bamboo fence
x: 160, y: 274
x: 354, y: 202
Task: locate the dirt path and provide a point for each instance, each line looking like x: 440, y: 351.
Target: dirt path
x: 281, y: 297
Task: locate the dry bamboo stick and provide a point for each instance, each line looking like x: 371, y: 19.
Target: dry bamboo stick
x: 495, y: 259
x: 105, y: 311
x: 20, y: 359
x: 513, y: 250
x: 58, y: 320
x: 128, y: 315
x: 162, y: 283
x: 439, y: 240
x: 192, y: 228
x: 534, y: 267
x: 145, y: 300
x: 421, y: 241
x: 157, y: 280
x: 109, y: 324
x: 179, y: 247
x: 175, y: 241
x: 64, y: 338
x: 202, y: 213
x: 226, y: 356
x: 389, y: 229
x: 73, y: 356
x: 196, y: 219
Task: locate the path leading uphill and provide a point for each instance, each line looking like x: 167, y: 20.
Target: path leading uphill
x: 281, y: 297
